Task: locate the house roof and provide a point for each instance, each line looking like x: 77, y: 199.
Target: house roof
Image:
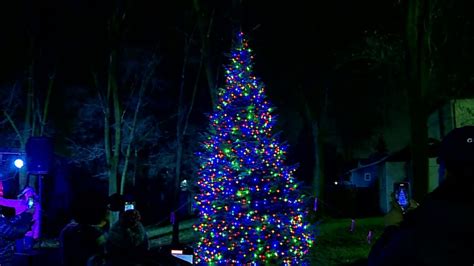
x: 402, y: 155
x: 369, y: 165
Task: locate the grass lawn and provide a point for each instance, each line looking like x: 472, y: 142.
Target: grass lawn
x: 335, y: 245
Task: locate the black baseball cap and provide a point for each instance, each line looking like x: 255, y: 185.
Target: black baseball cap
x: 458, y: 147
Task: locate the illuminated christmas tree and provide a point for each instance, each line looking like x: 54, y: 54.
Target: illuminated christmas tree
x: 251, y: 210
x: 403, y: 199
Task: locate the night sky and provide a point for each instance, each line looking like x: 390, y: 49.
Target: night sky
x: 291, y: 40
x: 297, y: 44
x: 294, y: 43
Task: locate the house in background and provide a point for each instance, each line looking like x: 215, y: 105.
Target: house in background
x: 383, y: 171
x: 366, y: 174
x: 380, y: 175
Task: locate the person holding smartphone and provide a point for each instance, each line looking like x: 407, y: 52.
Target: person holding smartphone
x: 12, y: 229
x: 127, y: 243
x: 438, y: 231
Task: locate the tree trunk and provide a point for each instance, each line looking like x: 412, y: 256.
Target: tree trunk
x: 112, y: 100
x: 27, y: 123
x: 117, y: 132
x: 44, y: 118
x: 141, y: 93
x: 317, y: 173
x: 179, y: 145
x: 181, y: 127
x: 179, y: 153
x: 111, y: 152
x: 132, y: 131
x: 135, y: 162
x: 205, y: 25
x: 107, y: 134
x: 418, y: 78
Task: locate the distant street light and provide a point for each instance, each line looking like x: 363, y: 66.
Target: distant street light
x: 18, y: 163
x: 335, y: 183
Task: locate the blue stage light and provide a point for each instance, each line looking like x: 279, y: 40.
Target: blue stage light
x: 19, y: 163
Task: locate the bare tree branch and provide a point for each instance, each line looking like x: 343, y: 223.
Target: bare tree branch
x: 46, y: 103
x: 196, y: 83
x: 12, y: 123
x: 141, y: 92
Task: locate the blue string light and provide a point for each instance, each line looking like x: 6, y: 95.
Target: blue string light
x: 251, y: 210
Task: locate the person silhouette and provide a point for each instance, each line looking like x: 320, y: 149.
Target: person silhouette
x: 439, y: 231
x: 12, y: 229
x: 127, y: 243
x: 85, y: 235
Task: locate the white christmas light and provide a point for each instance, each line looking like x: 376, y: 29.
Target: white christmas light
x: 18, y: 163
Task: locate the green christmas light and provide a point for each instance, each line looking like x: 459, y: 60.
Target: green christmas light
x: 249, y: 201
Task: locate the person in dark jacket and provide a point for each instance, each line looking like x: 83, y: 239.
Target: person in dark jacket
x: 441, y: 230
x: 85, y: 236
x: 12, y: 229
x: 127, y: 242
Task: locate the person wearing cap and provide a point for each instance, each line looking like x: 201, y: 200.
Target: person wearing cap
x: 127, y: 242
x: 440, y: 231
x: 85, y: 236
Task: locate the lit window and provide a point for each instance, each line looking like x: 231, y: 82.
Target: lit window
x: 367, y: 177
